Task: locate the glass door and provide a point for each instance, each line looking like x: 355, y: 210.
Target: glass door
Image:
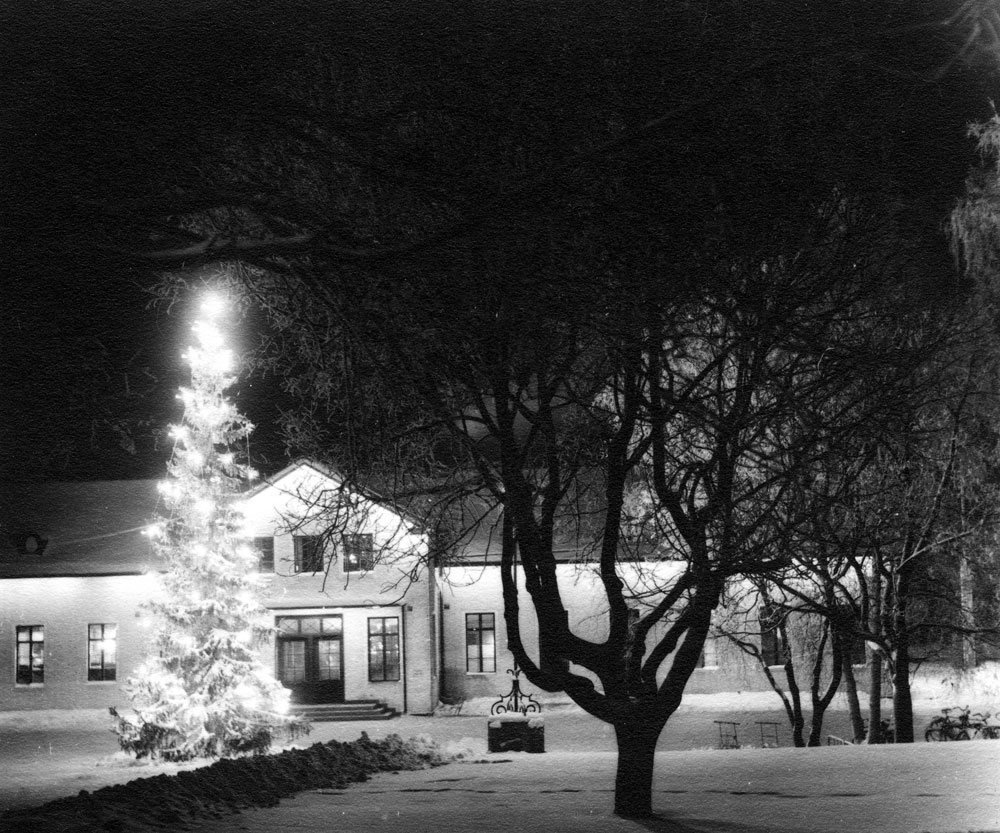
x: 311, y: 657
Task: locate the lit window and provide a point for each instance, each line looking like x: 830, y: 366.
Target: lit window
x: 264, y: 548
x: 308, y: 554
x: 102, y: 652
x: 30, y: 654
x: 359, y: 553
x: 383, y: 648
x: 480, y: 643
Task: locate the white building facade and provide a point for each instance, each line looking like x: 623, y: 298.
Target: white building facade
x: 358, y: 612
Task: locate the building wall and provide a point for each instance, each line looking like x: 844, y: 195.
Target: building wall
x: 471, y: 589
x: 398, y: 584
x: 65, y: 606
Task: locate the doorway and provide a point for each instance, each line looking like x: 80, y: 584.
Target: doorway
x: 311, y: 657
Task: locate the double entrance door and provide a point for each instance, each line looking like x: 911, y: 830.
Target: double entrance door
x: 311, y: 657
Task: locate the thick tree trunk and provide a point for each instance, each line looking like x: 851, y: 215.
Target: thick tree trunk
x: 853, y: 703
x: 875, y: 670
x: 902, y: 703
x: 816, y: 726
x: 634, y: 776
x: 875, y: 698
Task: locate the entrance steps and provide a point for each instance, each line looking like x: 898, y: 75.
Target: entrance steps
x: 348, y: 710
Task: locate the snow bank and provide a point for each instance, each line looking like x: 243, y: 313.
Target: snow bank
x: 224, y: 787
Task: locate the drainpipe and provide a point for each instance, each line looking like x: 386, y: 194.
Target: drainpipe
x: 402, y: 651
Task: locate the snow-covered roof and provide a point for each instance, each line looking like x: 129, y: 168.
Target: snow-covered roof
x: 96, y: 527
x: 294, y: 474
x: 79, y: 528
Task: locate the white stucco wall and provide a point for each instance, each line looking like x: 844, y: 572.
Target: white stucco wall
x: 477, y: 589
x: 398, y: 584
x: 65, y: 606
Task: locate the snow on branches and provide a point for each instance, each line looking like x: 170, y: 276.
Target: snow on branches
x: 203, y: 691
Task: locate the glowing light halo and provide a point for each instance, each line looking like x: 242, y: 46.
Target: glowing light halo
x: 214, y: 304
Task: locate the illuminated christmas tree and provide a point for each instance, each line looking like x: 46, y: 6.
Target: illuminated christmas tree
x: 203, y: 692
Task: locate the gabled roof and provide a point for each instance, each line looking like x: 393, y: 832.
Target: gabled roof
x: 86, y: 528
x: 274, y: 481
x: 96, y: 527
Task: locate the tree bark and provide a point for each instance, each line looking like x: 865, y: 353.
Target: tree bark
x: 853, y: 703
x: 966, y: 584
x: 634, y: 775
x: 875, y: 669
x: 902, y: 702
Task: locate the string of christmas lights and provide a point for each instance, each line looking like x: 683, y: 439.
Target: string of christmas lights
x: 203, y: 691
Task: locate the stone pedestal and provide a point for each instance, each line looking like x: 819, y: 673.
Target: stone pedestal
x: 515, y: 733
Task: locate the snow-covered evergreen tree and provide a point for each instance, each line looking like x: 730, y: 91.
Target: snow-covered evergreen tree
x: 203, y: 691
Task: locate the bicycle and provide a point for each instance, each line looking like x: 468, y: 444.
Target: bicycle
x: 990, y: 731
x: 957, y: 723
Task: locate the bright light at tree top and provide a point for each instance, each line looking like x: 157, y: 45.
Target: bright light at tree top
x: 214, y: 305
x: 204, y: 690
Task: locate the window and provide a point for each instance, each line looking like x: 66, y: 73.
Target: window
x: 308, y: 554
x: 383, y: 648
x: 30, y: 654
x: 480, y: 643
x: 265, y: 554
x: 359, y: 553
x: 102, y: 652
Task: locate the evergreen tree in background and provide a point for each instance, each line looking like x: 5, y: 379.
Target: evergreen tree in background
x: 203, y: 692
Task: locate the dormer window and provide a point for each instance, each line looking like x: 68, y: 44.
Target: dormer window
x: 308, y: 554
x: 359, y: 553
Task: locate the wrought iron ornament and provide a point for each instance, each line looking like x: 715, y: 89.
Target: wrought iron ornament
x: 516, y: 701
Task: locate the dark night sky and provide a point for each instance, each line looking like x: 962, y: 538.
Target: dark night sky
x: 100, y: 101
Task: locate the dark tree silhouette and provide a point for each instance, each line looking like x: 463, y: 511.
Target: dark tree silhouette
x: 573, y: 260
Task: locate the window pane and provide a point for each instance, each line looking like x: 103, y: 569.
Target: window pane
x: 358, y: 552
x: 265, y: 550
x: 101, y: 651
x: 30, y: 641
x: 479, y: 641
x: 308, y: 554
x: 292, y: 661
x: 37, y: 662
x: 288, y: 625
x: 333, y: 624
x: 392, y: 666
x: 310, y: 624
x: 383, y: 648
x: 328, y: 659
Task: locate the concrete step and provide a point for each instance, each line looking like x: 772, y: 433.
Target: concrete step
x: 351, y: 710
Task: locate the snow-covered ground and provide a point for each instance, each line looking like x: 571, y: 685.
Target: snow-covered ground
x: 906, y: 788
x: 925, y: 788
